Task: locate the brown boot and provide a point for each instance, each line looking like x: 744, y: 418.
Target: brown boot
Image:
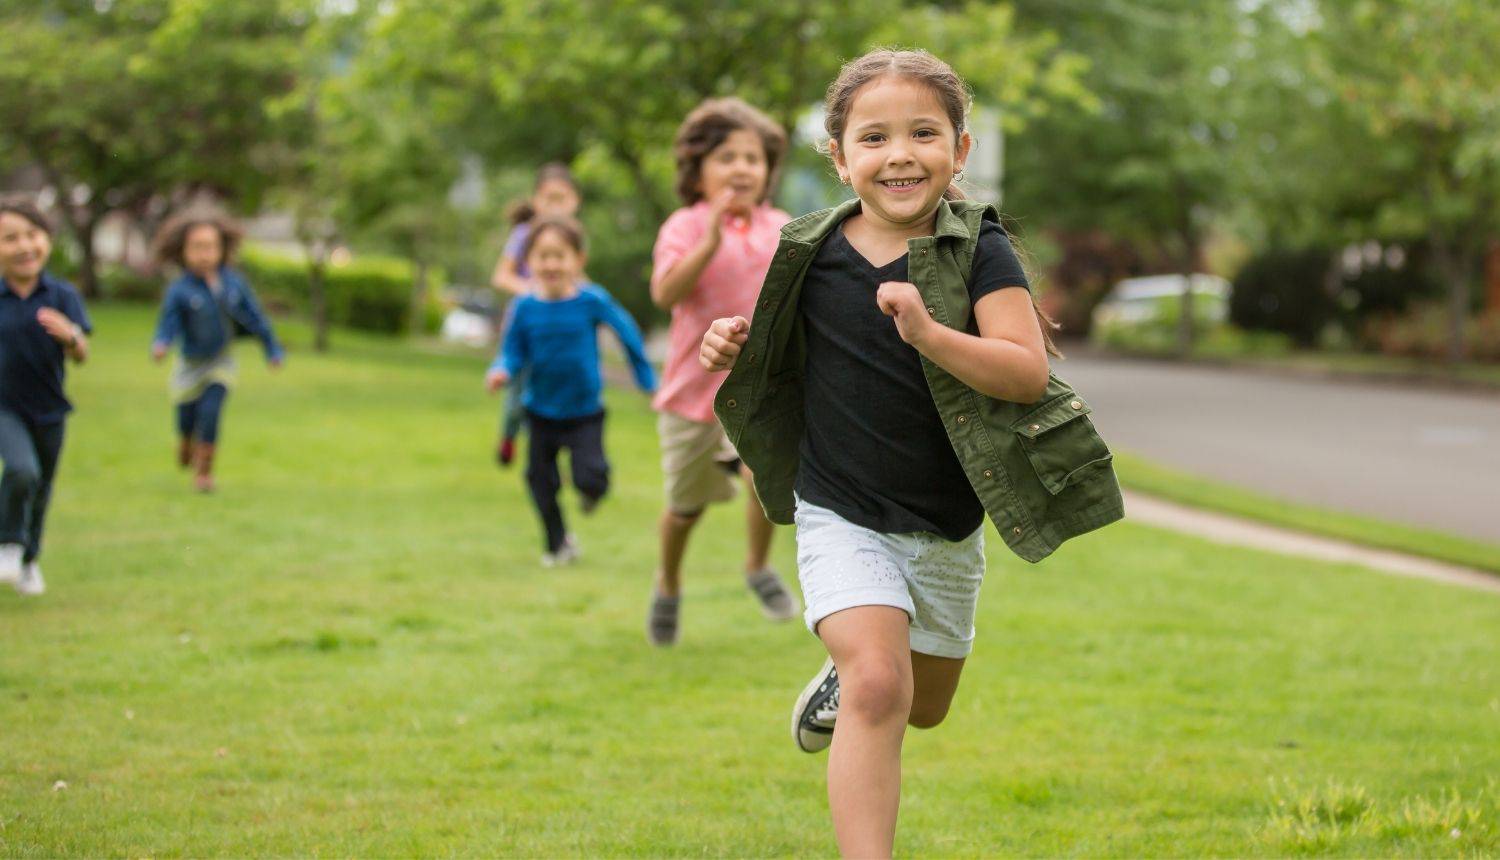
x: 185, y: 452
x: 203, y: 462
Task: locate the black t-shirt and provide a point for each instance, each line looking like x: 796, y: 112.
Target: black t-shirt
x: 31, y: 361
x: 875, y: 451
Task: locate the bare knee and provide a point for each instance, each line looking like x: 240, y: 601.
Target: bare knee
x: 680, y: 522
x: 925, y: 715
x: 875, y: 689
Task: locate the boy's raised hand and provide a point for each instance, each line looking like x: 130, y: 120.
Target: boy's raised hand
x: 495, y: 380
x: 722, y: 342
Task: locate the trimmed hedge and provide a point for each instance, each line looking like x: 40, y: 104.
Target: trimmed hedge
x: 369, y: 293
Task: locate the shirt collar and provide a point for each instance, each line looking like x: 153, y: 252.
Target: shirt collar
x: 43, y: 284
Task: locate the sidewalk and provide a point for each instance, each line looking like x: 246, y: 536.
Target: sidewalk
x: 1224, y: 529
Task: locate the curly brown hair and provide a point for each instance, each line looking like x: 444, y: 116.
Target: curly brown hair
x: 707, y: 127
x: 173, y: 235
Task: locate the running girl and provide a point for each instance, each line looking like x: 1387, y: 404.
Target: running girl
x: 206, y: 306
x: 894, y: 388
x: 555, y: 194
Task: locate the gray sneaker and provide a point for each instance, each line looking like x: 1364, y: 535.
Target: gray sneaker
x: 661, y: 622
x: 776, y: 603
x: 816, y: 710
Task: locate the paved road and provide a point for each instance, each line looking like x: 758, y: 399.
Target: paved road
x: 1420, y: 456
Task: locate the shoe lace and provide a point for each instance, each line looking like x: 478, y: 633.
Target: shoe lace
x: 828, y: 712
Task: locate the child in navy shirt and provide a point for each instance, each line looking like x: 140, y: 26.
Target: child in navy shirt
x: 42, y: 326
x: 553, y: 336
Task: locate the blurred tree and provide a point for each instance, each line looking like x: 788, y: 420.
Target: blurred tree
x: 118, y: 101
x: 603, y: 84
x: 1145, y: 160
x: 1421, y: 79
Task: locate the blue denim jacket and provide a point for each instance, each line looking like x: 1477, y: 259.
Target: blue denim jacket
x: 189, y: 311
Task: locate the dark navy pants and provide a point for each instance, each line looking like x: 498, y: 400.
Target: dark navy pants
x: 29, y: 451
x: 199, y: 419
x: 583, y: 438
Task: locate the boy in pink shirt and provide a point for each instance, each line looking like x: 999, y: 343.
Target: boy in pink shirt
x: 710, y: 259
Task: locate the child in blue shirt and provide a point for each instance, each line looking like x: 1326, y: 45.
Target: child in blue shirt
x: 553, y: 337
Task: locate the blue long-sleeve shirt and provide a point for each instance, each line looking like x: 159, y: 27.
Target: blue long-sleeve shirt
x: 558, y: 341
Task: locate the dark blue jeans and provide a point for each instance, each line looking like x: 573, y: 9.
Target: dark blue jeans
x: 30, y: 453
x: 199, y: 419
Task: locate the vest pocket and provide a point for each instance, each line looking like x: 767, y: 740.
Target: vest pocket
x: 1061, y: 442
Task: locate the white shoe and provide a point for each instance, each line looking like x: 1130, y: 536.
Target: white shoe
x: 10, y: 562
x: 31, y: 583
x: 566, y: 554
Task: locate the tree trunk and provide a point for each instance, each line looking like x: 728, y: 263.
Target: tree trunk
x: 418, y: 314
x: 317, y: 298
x: 88, y: 260
x: 1455, y: 277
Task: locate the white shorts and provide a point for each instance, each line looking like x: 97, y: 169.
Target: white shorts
x: 934, y: 580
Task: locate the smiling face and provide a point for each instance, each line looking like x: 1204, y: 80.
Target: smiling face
x: 24, y: 248
x: 555, y: 198
x: 899, y: 150
x: 555, y: 264
x: 739, y: 163
x: 203, y: 249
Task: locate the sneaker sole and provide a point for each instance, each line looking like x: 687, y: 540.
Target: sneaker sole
x: 807, y: 693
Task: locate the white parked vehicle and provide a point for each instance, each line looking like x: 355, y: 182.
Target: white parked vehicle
x: 1139, y: 300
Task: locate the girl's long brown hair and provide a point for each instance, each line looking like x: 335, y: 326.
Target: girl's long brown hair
x: 951, y: 92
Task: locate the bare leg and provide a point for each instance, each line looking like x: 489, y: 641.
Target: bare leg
x: 674, y: 529
x: 869, y: 645
x: 758, y: 529
x: 934, y: 681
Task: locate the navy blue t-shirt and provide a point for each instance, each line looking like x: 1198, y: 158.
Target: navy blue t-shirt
x: 875, y: 451
x: 31, y: 361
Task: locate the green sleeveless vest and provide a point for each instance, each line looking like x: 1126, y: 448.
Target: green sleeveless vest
x: 1040, y: 469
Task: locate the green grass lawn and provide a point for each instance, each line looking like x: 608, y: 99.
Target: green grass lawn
x: 351, y: 650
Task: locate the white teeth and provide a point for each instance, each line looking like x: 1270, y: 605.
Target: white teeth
x: 900, y: 183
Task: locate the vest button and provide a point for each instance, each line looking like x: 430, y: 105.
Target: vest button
x: 931, y: 312
x: 752, y: 358
x: 1077, y: 404
x: 963, y: 419
x: 731, y: 403
x: 1034, y: 427
x: 791, y: 253
x: 924, y: 252
x: 988, y: 473
x: 1016, y: 531
x: 765, y: 305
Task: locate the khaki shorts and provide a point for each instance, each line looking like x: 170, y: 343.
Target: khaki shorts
x: 697, y: 462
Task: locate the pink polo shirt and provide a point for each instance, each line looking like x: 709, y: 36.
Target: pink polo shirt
x: 728, y: 287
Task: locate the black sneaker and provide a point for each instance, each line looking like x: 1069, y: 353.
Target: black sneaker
x: 816, y: 710
x: 661, y: 622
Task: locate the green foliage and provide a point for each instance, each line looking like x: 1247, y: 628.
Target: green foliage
x: 603, y: 85
x: 123, y: 102
x: 1285, y: 290
x: 367, y: 293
